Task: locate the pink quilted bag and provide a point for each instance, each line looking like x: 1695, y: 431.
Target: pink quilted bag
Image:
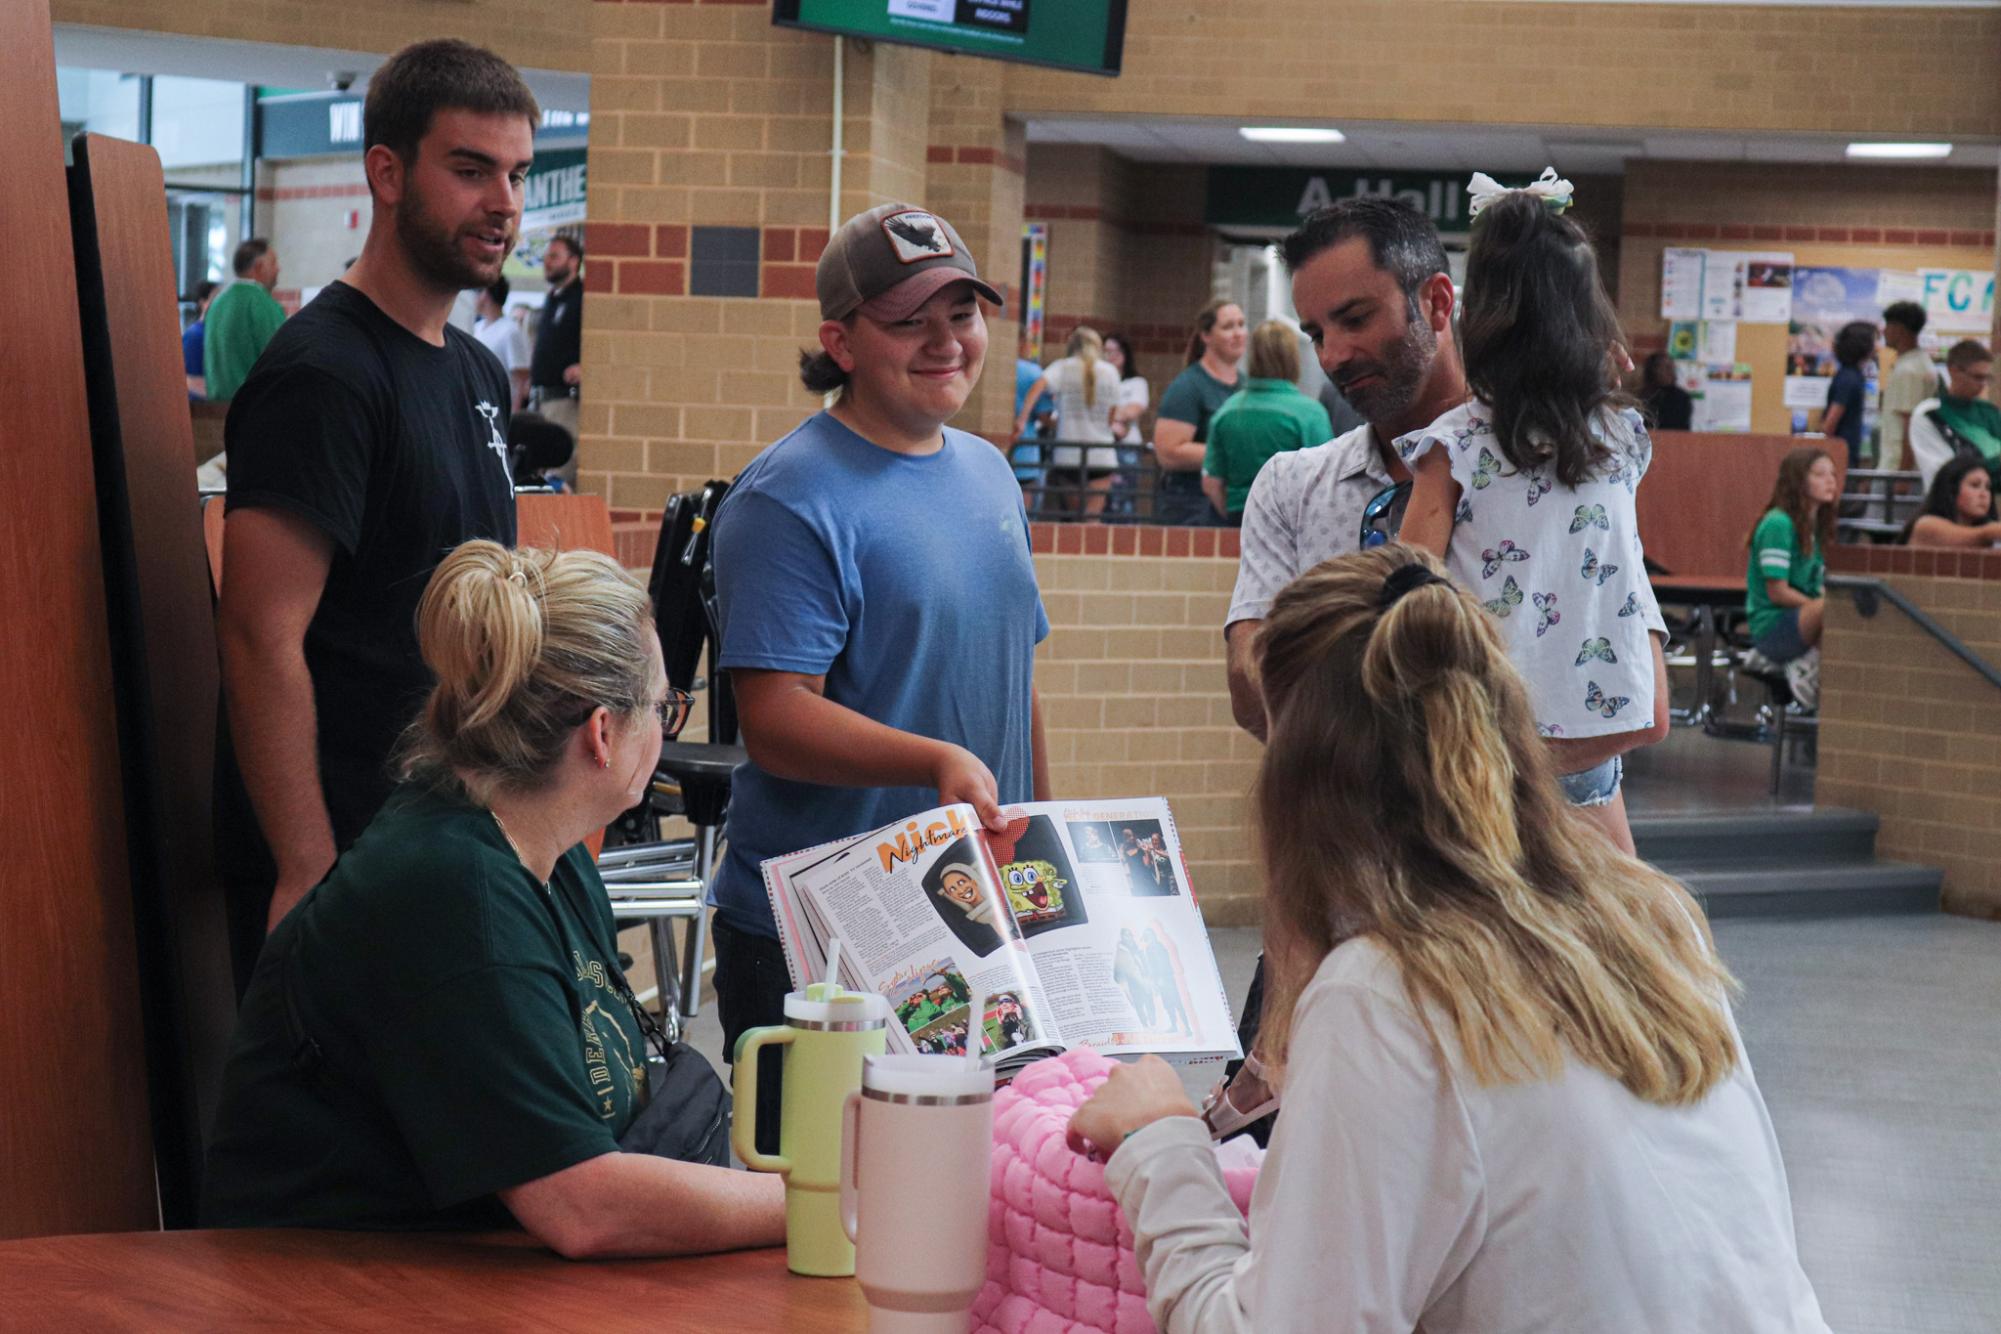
x: 1059, y: 1253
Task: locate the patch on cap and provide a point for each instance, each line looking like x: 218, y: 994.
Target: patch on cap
x: 916, y: 236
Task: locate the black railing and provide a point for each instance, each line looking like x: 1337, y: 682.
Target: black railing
x: 1866, y: 591
x: 1062, y: 493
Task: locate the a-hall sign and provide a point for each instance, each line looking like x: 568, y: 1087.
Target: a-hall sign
x: 1281, y: 196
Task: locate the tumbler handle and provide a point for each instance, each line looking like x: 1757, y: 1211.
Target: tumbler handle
x: 850, y: 1149
x: 743, y: 1086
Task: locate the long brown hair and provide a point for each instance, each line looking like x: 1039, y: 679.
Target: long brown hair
x: 1205, y: 324
x: 1789, y: 496
x: 1536, y: 334
x: 1406, y: 796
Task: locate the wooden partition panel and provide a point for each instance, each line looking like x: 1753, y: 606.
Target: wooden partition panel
x: 162, y: 639
x: 75, y: 1147
x: 1705, y: 491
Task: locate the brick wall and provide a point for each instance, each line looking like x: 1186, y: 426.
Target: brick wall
x: 541, y: 34
x: 1909, y: 731
x: 1878, y: 71
x: 1134, y: 697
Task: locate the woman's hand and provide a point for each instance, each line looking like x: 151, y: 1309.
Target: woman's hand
x: 1135, y: 1096
x: 961, y: 777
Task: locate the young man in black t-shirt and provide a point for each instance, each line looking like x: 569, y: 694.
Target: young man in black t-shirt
x: 368, y: 442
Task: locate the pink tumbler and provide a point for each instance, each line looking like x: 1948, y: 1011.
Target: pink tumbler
x: 916, y: 1144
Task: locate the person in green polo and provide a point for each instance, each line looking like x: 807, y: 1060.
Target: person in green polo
x: 1267, y: 416
x: 241, y: 320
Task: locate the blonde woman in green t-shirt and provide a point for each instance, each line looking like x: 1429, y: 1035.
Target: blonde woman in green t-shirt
x: 1788, y: 563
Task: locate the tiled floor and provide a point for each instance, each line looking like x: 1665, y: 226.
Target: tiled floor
x: 1873, y: 1039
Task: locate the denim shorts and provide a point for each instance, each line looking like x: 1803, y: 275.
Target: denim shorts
x: 1596, y: 786
x: 1782, y: 643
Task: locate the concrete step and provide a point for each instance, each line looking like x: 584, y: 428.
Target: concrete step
x: 1865, y: 887
x: 1689, y: 843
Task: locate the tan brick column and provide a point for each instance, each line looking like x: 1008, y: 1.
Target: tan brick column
x: 710, y: 180
x: 975, y: 164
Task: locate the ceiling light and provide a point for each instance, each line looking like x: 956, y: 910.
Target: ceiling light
x: 1291, y: 134
x: 1900, y: 150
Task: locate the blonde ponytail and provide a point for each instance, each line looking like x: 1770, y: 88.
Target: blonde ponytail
x: 1086, y: 345
x: 1406, y: 796
x: 523, y: 646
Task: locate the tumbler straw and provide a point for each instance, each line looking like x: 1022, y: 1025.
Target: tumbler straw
x: 830, y: 981
x: 975, y: 1031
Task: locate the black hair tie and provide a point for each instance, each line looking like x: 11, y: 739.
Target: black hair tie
x: 1403, y: 580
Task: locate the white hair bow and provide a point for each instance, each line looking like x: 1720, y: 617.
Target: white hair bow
x: 1552, y: 189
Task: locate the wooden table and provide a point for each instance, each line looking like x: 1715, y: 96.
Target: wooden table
x: 290, y: 1279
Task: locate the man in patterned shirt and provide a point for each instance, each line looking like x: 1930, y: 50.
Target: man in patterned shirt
x: 1370, y: 283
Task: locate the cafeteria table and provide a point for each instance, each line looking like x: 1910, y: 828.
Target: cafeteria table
x: 297, y: 1279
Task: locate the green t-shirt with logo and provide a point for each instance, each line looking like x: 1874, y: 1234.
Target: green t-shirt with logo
x: 429, y: 1026
x: 1776, y: 554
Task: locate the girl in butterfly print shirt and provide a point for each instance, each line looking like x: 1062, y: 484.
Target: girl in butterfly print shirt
x: 1527, y: 493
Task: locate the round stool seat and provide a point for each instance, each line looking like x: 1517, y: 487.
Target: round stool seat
x: 703, y: 770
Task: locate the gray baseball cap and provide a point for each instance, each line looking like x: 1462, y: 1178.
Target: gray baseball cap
x: 889, y: 261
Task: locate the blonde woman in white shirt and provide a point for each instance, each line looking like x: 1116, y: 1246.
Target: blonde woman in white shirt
x: 1515, y: 1098
x: 1086, y: 389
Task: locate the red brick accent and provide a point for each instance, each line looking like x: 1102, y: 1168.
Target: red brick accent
x: 1204, y: 541
x: 1734, y: 231
x: 1177, y: 542
x: 1152, y: 541
x: 1672, y: 231
x: 812, y: 242
x: 600, y: 276
x: 1704, y: 231
x: 794, y: 281
x: 650, y: 277
x: 1019, y: 166
x: 1229, y: 542
x: 618, y: 238
x: 1935, y: 237
x: 781, y: 244
x: 266, y: 194
x: 670, y: 241
x: 1069, y: 540
x: 1799, y: 234
x: 1965, y: 238
x: 982, y: 157
x: 1125, y: 541
x: 938, y: 153
x: 1766, y: 232
x: 1830, y: 233
x: 1865, y: 235
x: 1097, y: 540
x: 1900, y: 236
x: 1042, y: 538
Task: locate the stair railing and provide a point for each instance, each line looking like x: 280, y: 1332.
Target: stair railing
x: 1866, y: 592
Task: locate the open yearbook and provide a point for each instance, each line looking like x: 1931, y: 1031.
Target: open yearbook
x: 1078, y: 925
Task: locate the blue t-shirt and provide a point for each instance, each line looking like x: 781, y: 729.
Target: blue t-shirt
x: 1848, y: 388
x: 1027, y: 454
x: 907, y: 582
x: 191, y: 351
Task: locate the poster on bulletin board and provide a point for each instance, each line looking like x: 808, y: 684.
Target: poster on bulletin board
x: 1824, y: 299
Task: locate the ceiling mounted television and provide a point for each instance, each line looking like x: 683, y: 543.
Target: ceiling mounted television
x: 1083, y: 35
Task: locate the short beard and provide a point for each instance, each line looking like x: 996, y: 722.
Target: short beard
x: 1403, y: 368
x: 433, y: 249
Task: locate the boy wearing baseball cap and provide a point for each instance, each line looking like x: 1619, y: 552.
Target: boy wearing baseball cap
x: 878, y: 601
